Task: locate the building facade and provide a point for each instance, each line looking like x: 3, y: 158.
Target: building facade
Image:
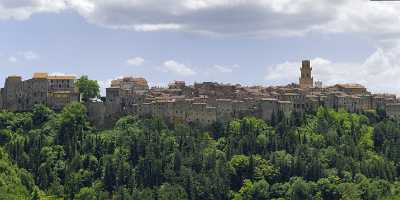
x: 53, y: 91
x: 203, y: 103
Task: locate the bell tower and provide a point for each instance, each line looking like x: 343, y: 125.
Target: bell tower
x: 306, y: 80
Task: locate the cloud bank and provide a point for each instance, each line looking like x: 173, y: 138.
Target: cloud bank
x: 380, y: 72
x: 224, y: 17
x: 136, y: 61
x: 178, y: 68
x: 377, y: 21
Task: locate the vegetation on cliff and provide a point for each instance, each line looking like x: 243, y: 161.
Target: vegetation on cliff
x: 322, y: 155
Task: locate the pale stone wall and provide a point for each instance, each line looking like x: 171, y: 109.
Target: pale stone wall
x: 267, y: 108
x: 34, y: 92
x: 224, y: 109
x: 312, y: 103
x: 53, y: 91
x: 12, y: 93
x: 96, y: 113
x: 58, y: 99
x: 298, y: 100
x: 366, y: 102
x: 286, y: 107
x: 393, y: 110
x: 378, y: 101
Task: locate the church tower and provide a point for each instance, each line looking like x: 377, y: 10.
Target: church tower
x: 306, y: 80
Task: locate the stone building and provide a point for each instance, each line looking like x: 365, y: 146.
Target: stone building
x: 203, y: 103
x: 130, y: 83
x: 208, y: 102
x: 351, y: 89
x: 53, y: 91
x: 306, y: 80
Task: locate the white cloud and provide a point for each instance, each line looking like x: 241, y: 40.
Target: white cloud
x: 379, y: 72
x: 29, y: 55
x: 136, y: 61
x: 377, y: 21
x: 178, y: 68
x: 103, y: 84
x: 12, y: 59
x: 23, y: 9
x: 156, y: 27
x: 225, y: 17
x: 225, y: 69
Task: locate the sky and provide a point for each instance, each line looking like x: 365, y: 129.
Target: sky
x: 251, y: 42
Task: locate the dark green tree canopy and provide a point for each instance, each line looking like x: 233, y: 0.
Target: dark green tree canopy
x: 322, y: 155
x: 87, y: 88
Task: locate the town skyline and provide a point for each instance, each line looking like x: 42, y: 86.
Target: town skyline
x: 108, y: 83
x: 203, y: 103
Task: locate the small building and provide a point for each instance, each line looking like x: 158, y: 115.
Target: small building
x: 351, y: 89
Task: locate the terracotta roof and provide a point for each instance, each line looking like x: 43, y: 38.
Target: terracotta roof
x: 61, y: 77
x: 40, y: 75
x: 138, y: 81
x: 14, y: 76
x: 352, y: 85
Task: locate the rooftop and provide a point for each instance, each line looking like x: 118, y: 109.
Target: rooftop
x: 350, y: 86
x: 61, y: 77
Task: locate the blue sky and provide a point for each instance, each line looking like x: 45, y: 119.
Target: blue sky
x: 253, y: 42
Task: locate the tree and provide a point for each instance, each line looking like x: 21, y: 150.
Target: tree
x: 87, y: 88
x: 300, y: 190
x: 109, y: 176
x: 40, y: 114
x: 72, y: 126
x: 35, y: 194
x: 258, y: 190
x: 86, y: 194
x: 14, y: 182
x: 329, y: 155
x: 168, y: 191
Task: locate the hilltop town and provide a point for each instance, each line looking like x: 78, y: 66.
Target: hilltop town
x: 203, y: 103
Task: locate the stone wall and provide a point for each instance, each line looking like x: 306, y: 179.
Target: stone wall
x: 393, y: 110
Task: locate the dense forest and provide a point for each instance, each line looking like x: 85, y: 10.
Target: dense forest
x: 321, y: 155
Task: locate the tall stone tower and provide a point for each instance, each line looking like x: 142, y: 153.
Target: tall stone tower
x: 306, y: 80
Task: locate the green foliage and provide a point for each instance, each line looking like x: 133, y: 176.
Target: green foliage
x: 15, y: 183
x: 249, y: 190
x: 324, y: 155
x: 41, y: 114
x: 87, y: 88
x: 86, y: 193
x: 168, y: 191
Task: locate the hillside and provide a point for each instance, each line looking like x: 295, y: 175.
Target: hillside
x: 322, y: 155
